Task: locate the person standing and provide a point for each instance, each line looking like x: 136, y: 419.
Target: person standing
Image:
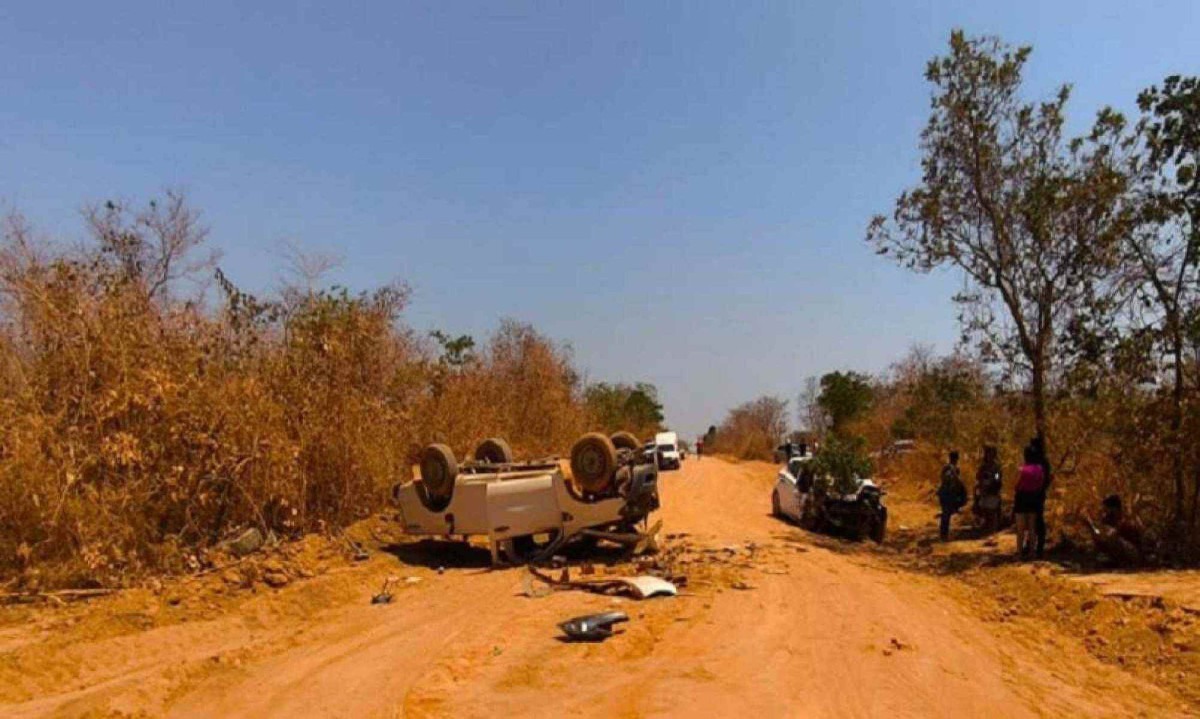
x: 952, y: 494
x: 988, y: 487
x: 1038, y: 446
x: 1028, y: 501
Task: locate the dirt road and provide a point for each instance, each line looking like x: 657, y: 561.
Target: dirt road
x: 796, y: 626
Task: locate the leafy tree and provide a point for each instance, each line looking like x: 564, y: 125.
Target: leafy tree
x: 625, y: 407
x: 843, y: 460
x: 457, y: 352
x: 844, y: 396
x: 1026, y: 215
x: 1161, y: 251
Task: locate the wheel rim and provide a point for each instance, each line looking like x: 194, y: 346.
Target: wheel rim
x: 591, y: 461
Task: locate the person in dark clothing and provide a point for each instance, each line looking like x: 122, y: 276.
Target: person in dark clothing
x: 952, y: 494
x: 1038, y: 446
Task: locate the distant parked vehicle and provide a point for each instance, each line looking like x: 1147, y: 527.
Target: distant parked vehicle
x: 787, y: 450
x: 668, y: 450
x: 650, y: 452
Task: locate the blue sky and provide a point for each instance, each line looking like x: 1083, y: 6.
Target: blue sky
x: 678, y: 190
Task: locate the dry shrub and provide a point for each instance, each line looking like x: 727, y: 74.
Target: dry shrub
x: 139, y: 427
x: 751, y: 430
x: 522, y: 387
x: 1114, y: 440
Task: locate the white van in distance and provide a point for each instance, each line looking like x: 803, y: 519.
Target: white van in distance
x: 668, y: 450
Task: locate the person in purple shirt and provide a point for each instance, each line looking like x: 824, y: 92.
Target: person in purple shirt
x: 1028, y: 502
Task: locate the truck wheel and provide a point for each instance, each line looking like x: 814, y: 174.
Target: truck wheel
x: 494, y: 450
x: 593, y: 460
x: 625, y: 440
x: 438, y: 470
x: 776, y: 510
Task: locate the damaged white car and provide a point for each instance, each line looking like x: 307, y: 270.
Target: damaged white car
x: 852, y: 508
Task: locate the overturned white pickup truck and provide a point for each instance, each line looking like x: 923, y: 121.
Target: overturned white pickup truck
x: 528, y: 510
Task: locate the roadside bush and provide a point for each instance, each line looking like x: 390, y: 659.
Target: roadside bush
x: 140, y: 426
x: 1110, y: 437
x: 751, y: 431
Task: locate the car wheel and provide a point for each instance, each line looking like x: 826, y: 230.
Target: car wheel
x: 879, y: 531
x: 593, y: 461
x: 439, y: 469
x: 625, y: 440
x: 494, y: 451
x: 776, y: 510
x: 879, y: 528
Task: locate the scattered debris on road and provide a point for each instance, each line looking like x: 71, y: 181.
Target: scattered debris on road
x: 357, y: 550
x: 384, y: 596
x: 648, y: 586
x: 639, y: 587
x: 245, y: 543
x: 593, y: 627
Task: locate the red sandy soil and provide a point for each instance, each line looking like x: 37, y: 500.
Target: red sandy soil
x: 775, y: 623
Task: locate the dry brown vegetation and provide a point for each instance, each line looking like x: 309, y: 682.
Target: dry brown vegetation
x: 1112, y: 439
x: 751, y: 430
x: 142, y: 420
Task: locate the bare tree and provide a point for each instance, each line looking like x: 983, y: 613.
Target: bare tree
x: 809, y: 413
x: 304, y: 269
x: 154, y: 246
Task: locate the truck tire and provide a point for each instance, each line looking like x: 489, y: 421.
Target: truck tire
x: 439, y: 469
x: 494, y: 450
x: 625, y: 440
x: 593, y: 461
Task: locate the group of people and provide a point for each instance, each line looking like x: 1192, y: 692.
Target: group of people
x: 1029, y: 498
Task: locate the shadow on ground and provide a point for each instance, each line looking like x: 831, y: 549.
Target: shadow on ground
x: 451, y: 554
x: 438, y: 553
